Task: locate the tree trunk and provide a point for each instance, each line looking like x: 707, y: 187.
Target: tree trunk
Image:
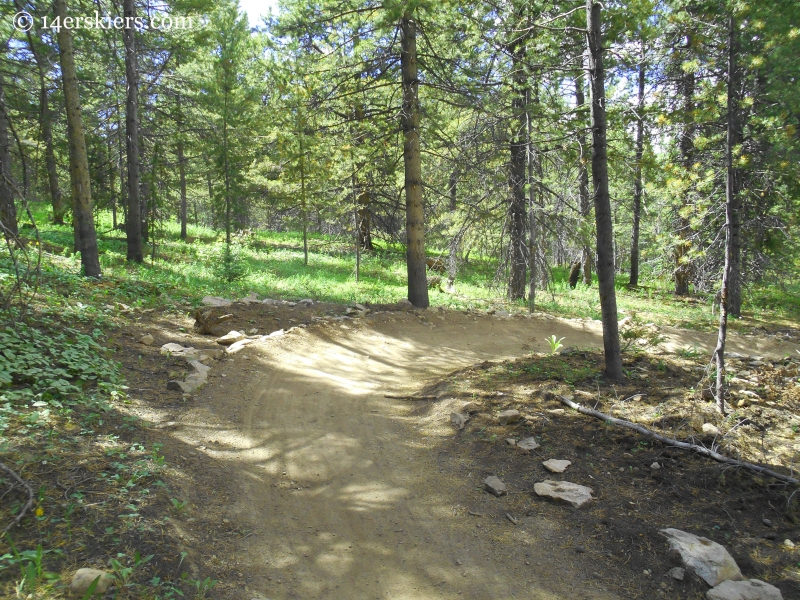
x: 304, y: 206
x: 602, y: 201
x: 412, y: 161
x: 686, y: 146
x: 182, y: 175
x: 78, y: 162
x: 583, y: 186
x: 733, y: 199
x: 8, y: 208
x: 56, y: 198
x: 637, y: 183
x: 133, y: 222
x: 732, y: 207
x: 363, y: 201
x: 516, y: 175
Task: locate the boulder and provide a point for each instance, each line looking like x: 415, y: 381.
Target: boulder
x: 230, y: 338
x: 564, y: 491
x: 710, y: 561
x: 753, y: 589
x: 506, y: 417
x: 83, y: 578
x: 556, y: 466
x: 216, y: 301
x: 494, y: 486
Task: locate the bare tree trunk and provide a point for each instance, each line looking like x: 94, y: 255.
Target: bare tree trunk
x: 182, y: 175
x: 637, y: 183
x: 56, y: 198
x: 733, y: 199
x: 602, y: 201
x: 516, y: 174
x: 303, y: 199
x: 133, y: 222
x: 732, y: 207
x: 79, y: 164
x: 409, y: 122
x: 686, y: 146
x: 8, y: 208
x: 583, y: 186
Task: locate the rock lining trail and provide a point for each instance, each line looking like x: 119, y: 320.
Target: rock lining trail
x: 340, y: 486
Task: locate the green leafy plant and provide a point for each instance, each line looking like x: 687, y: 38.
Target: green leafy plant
x: 31, y: 563
x: 179, y: 506
x: 555, y: 343
x: 201, y: 585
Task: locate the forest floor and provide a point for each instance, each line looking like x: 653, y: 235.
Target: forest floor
x: 297, y: 478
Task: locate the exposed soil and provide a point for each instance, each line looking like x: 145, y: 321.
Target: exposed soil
x: 305, y: 481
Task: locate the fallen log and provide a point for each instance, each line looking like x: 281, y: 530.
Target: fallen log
x: 678, y: 444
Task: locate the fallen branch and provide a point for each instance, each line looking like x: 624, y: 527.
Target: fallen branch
x: 28, y: 504
x: 677, y: 444
x: 396, y: 397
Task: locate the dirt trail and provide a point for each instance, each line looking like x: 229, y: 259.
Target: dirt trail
x: 339, y: 485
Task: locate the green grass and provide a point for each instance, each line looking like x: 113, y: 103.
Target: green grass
x: 272, y: 266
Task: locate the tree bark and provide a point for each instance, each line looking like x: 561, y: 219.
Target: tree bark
x: 583, y: 186
x: 133, y: 222
x: 56, y: 197
x: 637, y: 183
x: 733, y: 199
x: 79, y: 165
x: 518, y: 148
x: 686, y: 147
x: 412, y: 161
x: 182, y: 175
x: 732, y: 207
x: 602, y: 201
x: 8, y: 208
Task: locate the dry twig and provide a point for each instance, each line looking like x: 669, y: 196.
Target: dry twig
x: 28, y: 505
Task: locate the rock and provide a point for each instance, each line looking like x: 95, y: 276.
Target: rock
x: 177, y: 386
x: 458, y: 420
x: 277, y: 333
x: 710, y: 561
x: 527, y: 444
x: 83, y: 578
x: 556, y: 466
x: 502, y: 313
x: 177, y: 350
x: 511, y: 441
x: 360, y: 307
x: 147, y: 340
x: 404, y: 303
x: 494, y: 486
x: 710, y: 429
x: 788, y: 543
x: 271, y: 301
x: 230, y: 338
x: 767, y: 522
x: 568, y: 351
x: 753, y: 589
x: 213, y: 354
x: 507, y: 417
x: 655, y: 466
x: 253, y: 331
x: 236, y: 346
x: 216, y: 301
x: 199, y: 367
x: 471, y: 408
x: 677, y: 573
x: 574, y: 494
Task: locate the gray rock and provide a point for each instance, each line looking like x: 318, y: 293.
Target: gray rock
x: 253, y: 331
x: 306, y: 302
x: 177, y: 350
x: 360, y: 307
x: 710, y: 561
x: 753, y: 589
x: 507, y: 417
x: 502, y: 313
x: 568, y: 351
x: 470, y: 408
x: 458, y: 420
x: 236, y: 346
x: 230, y: 338
x: 710, y: 429
x: 528, y: 444
x: 565, y: 491
x: 147, y: 340
x: 83, y: 578
x: 655, y: 466
x: 277, y: 333
x: 494, y: 486
x: 216, y: 301
x: 511, y: 442
x: 677, y: 573
x: 556, y: 466
x: 405, y: 303
x: 271, y: 301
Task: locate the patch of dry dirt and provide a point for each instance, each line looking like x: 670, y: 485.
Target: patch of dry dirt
x: 305, y: 481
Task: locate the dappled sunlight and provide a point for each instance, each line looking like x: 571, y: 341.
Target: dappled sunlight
x: 371, y: 496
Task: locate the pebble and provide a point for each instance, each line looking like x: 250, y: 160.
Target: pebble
x: 655, y: 466
x: 677, y: 573
x: 767, y: 522
x: 147, y: 340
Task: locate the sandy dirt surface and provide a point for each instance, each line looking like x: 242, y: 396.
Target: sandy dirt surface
x: 339, y: 488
